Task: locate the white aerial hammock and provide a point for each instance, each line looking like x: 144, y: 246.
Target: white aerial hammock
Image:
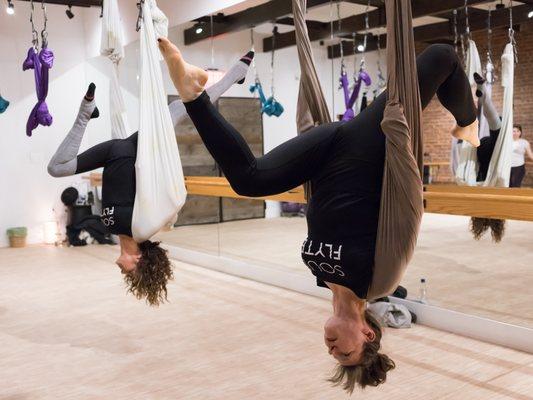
x: 466, y: 172
x: 499, y: 170
x: 160, y: 191
x: 112, y: 46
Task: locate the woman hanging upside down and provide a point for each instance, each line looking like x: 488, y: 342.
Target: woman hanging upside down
x: 145, y: 265
x: 344, y: 163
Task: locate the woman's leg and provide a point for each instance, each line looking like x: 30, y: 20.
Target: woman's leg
x: 440, y: 72
x: 517, y: 175
x: 285, y: 167
x: 236, y: 74
x: 485, y: 100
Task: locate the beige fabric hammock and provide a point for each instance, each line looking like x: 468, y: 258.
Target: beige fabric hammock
x: 402, y: 194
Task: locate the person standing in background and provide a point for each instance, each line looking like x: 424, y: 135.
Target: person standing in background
x: 521, y: 147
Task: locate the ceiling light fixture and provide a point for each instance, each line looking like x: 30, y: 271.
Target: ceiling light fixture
x: 69, y: 12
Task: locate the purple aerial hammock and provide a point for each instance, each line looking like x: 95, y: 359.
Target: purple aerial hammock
x: 41, y: 62
x: 350, y: 99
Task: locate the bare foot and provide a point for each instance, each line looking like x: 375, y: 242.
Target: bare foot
x: 468, y: 133
x: 188, y: 79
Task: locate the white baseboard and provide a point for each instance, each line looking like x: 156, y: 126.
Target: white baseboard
x: 484, y: 329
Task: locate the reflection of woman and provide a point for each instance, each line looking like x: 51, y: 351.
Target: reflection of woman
x: 345, y: 164
x: 145, y: 265
x: 521, y: 147
x: 487, y: 144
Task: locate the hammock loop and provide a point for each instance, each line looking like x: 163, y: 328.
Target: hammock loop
x: 272, y: 59
x: 140, y: 5
x: 44, y: 32
x: 455, y: 33
x: 34, y: 33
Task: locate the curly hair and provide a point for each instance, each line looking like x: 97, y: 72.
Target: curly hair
x: 478, y: 227
x: 154, y: 270
x: 373, y: 368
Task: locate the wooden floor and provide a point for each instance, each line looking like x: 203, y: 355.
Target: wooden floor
x: 476, y: 277
x: 69, y: 331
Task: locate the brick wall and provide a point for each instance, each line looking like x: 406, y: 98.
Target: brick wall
x: 437, y: 121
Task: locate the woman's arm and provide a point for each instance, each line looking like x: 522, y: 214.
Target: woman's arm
x: 528, y: 150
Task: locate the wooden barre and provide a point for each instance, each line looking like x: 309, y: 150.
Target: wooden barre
x: 485, y: 202
x: 500, y: 203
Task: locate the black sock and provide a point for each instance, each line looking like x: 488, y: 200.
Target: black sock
x: 89, y: 96
x: 479, y: 79
x: 247, y: 59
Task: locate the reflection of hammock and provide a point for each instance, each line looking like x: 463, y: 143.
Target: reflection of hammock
x: 499, y: 170
x: 41, y: 62
x: 349, y: 100
x: 160, y: 185
x: 270, y: 106
x: 4, y: 104
x: 401, y: 201
x: 112, y: 46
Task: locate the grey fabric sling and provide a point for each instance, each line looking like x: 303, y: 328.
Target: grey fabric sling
x: 401, y: 207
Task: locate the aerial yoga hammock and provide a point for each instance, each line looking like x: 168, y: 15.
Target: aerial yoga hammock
x: 270, y: 107
x: 350, y: 99
x: 360, y: 77
x: 143, y: 186
x: 112, y: 46
x: 41, y: 62
x: 366, y: 201
x: 401, y: 195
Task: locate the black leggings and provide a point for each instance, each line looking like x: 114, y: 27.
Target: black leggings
x: 517, y: 176
x: 327, y: 152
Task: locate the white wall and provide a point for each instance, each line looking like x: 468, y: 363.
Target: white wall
x: 28, y: 193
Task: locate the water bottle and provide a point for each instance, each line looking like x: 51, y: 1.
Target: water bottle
x: 422, y: 297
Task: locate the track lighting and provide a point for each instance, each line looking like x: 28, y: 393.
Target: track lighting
x: 69, y: 12
x: 530, y: 14
x: 199, y: 30
x: 361, y: 48
x: 10, y: 9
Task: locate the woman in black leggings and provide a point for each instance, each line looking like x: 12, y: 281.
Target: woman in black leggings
x: 145, y: 265
x: 344, y: 163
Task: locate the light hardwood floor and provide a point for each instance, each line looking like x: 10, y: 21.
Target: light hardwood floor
x: 69, y: 331
x: 476, y: 277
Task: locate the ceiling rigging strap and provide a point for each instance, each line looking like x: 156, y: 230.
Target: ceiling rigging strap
x: 489, y: 68
x: 139, y: 15
x: 44, y: 32
x: 365, y: 38
x: 512, y: 39
x: 455, y: 33
x: 212, y: 38
x: 339, y: 26
x: 34, y: 33
x: 254, y: 67
x: 274, y: 34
